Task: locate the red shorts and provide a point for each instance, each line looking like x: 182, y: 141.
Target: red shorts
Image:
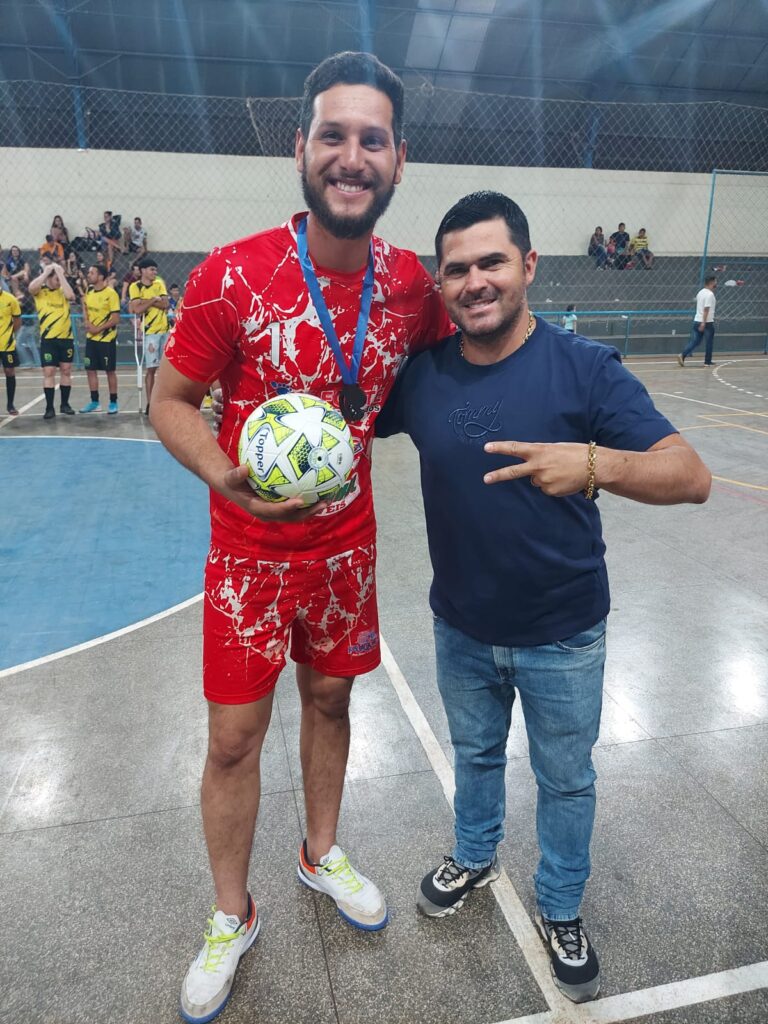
x: 325, y: 608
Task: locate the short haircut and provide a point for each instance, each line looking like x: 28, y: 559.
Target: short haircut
x: 146, y: 263
x: 710, y: 278
x: 351, y: 68
x: 481, y: 206
x: 569, y: 309
x: 100, y: 269
x: 174, y: 286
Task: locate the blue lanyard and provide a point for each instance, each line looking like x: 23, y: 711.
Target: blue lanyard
x: 349, y: 374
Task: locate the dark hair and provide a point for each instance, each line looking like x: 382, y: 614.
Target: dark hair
x: 622, y: 224
x: 710, y: 278
x: 570, y: 309
x: 100, y: 270
x: 174, y: 286
x: 49, y: 238
x: 350, y: 68
x: 146, y: 263
x: 480, y: 206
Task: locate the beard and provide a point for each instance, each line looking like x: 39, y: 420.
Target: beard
x: 345, y: 227
x: 490, y: 335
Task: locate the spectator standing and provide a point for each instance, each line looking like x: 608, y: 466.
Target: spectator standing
x: 26, y: 336
x: 135, y: 239
x: 53, y: 295
x: 101, y: 316
x: 149, y: 300
x: 620, y: 242
x: 569, y: 320
x: 597, y: 248
x: 132, y: 275
x: 10, y: 322
x: 174, y: 303
x: 639, y: 247
x: 703, y: 327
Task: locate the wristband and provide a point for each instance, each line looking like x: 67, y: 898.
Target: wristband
x: 589, y: 490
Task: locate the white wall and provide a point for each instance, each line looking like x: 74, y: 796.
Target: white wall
x: 192, y: 202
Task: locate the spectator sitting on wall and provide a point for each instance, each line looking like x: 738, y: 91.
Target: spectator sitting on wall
x: 59, y: 233
x: 52, y: 248
x: 133, y: 275
x: 620, y: 242
x: 109, y: 233
x: 597, y: 248
x: 135, y: 239
x: 17, y: 270
x: 639, y: 247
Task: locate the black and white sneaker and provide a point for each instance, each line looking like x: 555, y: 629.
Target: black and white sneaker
x: 444, y: 891
x: 573, y: 961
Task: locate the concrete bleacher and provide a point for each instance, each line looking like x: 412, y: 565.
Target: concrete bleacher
x: 672, y: 283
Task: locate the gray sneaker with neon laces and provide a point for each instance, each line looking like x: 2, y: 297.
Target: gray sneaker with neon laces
x: 358, y: 900
x: 207, y: 986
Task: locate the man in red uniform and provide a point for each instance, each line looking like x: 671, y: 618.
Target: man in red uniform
x: 317, y: 305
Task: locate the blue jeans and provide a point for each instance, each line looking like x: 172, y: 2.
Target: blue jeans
x: 708, y: 334
x: 561, y: 689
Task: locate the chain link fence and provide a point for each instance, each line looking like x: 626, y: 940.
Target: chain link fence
x: 204, y: 170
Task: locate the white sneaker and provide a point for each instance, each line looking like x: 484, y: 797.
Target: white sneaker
x: 208, y: 983
x: 358, y: 900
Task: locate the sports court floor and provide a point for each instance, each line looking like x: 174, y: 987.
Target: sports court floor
x: 103, y: 730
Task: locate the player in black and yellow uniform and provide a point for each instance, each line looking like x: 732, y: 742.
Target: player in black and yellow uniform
x: 53, y: 295
x: 101, y: 315
x: 10, y: 322
x: 149, y: 300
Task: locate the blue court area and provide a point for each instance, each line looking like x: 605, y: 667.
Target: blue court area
x: 98, y: 533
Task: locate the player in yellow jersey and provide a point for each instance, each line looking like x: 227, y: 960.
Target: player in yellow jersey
x: 53, y: 294
x: 149, y: 300
x: 101, y: 315
x: 10, y: 322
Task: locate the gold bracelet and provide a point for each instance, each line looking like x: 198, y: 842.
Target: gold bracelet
x: 589, y: 490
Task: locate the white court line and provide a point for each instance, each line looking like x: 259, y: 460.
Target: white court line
x: 630, y: 1005
x: 519, y: 922
x: 611, y: 1009
x: 714, y: 405
x: 78, y: 437
x: 100, y: 639
x: 10, y: 419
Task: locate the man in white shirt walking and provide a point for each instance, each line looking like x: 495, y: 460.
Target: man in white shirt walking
x: 703, y: 322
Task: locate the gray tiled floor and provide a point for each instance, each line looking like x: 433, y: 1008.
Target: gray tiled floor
x: 104, y: 869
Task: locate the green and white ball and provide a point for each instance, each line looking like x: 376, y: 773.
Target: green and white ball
x: 296, y: 445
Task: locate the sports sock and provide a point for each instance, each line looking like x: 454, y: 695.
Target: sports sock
x: 10, y: 387
x: 94, y: 396
x: 112, y: 398
x: 65, y: 389
x: 49, y: 393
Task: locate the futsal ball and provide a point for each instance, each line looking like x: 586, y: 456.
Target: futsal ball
x: 296, y: 445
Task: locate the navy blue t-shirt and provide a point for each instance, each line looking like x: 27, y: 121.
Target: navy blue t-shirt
x: 513, y: 566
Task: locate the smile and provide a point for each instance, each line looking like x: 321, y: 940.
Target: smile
x: 348, y: 188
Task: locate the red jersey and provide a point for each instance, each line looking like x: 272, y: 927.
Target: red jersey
x: 248, y: 321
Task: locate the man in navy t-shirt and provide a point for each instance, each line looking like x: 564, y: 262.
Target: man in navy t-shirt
x: 518, y: 423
